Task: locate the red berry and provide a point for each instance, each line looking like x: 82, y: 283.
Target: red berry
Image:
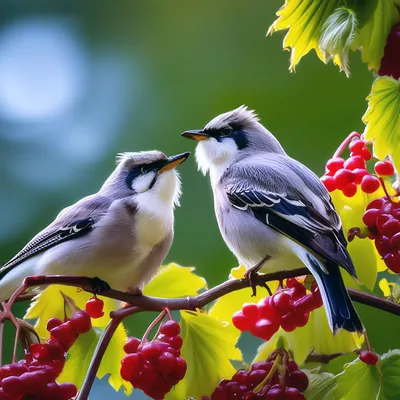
x: 289, y: 322
x: 94, y: 307
x: 376, y: 204
x: 357, y: 146
x: 381, y: 220
x: 65, y: 334
x: 275, y: 393
x: 392, y: 261
x: 52, y: 323
x: 350, y: 190
x: 343, y: 177
x: 369, y: 357
x: 354, y: 162
x: 390, y: 227
x: 264, y: 329
x: 293, y: 394
x: 250, y: 310
x: 395, y: 241
x: 390, y: 62
x: 68, y: 391
x: 13, y: 386
x: 282, y: 302
x: 130, y: 364
x: 366, y: 154
x: 267, y: 310
x: 382, y: 244
x: 298, y: 380
x: 301, y: 318
x: 359, y: 173
x: 241, y: 322
x: 180, y: 369
x: 81, y: 322
x: 4, y: 396
x: 175, y: 342
x: 384, y: 168
x: 131, y: 345
x: 170, y: 328
x: 370, y: 216
x: 334, y: 164
x: 370, y: 184
x: 166, y: 362
x: 264, y: 365
x: 328, y: 182
x: 153, y: 350
x: 292, y: 366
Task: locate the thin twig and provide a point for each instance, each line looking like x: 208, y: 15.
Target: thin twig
x: 100, y: 350
x: 322, y: 358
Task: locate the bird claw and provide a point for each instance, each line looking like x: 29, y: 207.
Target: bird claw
x: 99, y: 285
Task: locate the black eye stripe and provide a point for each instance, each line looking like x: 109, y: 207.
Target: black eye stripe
x: 143, y: 169
x: 233, y: 131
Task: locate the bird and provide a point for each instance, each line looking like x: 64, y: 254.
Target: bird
x: 273, y: 212
x: 119, y: 235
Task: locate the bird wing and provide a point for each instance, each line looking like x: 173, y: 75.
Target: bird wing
x: 73, y: 222
x: 268, y: 193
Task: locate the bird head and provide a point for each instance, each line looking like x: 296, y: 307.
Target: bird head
x: 231, y: 136
x: 146, y: 173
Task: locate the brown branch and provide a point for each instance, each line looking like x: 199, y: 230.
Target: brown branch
x: 192, y: 303
x: 322, y: 358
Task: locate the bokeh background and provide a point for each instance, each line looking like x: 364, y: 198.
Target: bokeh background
x: 81, y: 81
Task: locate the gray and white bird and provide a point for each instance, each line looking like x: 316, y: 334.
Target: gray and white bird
x: 271, y: 207
x: 121, y: 234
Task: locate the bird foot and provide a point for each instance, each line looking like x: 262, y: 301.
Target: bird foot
x: 99, y: 285
x: 252, y: 274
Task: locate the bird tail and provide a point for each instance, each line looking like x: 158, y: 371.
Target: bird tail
x: 338, y: 305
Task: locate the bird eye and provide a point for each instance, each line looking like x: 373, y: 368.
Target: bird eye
x: 225, y: 132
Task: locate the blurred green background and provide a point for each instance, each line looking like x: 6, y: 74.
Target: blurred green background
x: 81, y: 81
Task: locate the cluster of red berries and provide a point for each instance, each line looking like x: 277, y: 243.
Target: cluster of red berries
x: 35, y: 376
x: 288, y: 308
x: 382, y: 218
x: 286, y: 383
x: 390, y: 63
x: 156, y: 366
x: 368, y: 357
x: 346, y: 175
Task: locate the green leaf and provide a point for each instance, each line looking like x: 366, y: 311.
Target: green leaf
x: 390, y: 367
x: 373, y: 35
x: 320, y: 386
x: 208, y: 347
x: 338, y: 34
x: 382, y: 118
x: 81, y: 353
x: 357, y: 381
x: 304, y: 20
x: 174, y: 281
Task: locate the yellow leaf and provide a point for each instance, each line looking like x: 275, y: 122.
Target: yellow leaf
x: 81, y: 353
x: 50, y: 304
x: 384, y: 286
x: 383, y: 118
x: 175, y: 281
x: 208, y: 347
x: 304, y: 20
x: 374, y: 33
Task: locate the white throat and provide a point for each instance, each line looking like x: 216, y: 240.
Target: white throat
x: 215, y: 157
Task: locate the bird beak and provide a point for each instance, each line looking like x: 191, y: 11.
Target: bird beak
x: 173, y: 161
x: 196, y: 135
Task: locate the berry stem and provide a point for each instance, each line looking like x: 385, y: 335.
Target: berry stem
x: 385, y: 189
x: 153, y: 324
x: 345, y: 143
x: 271, y: 373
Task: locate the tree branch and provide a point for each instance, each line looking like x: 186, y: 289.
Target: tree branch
x: 192, y: 303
